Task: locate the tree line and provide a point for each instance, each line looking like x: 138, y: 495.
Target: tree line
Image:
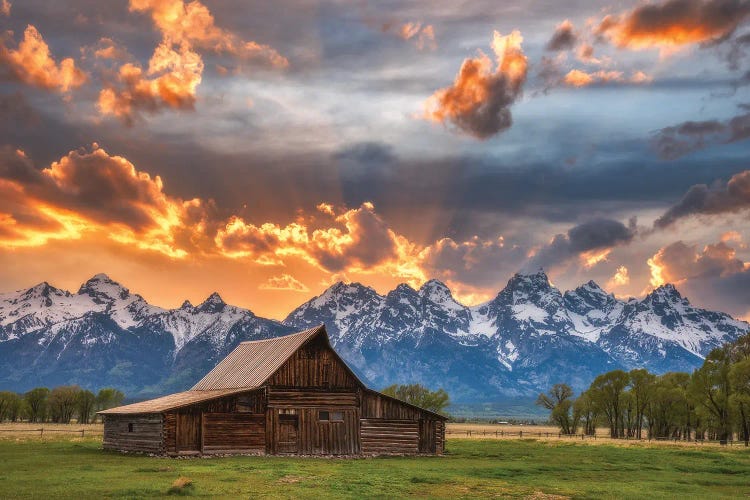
x: 59, y: 405
x: 419, y: 395
x: 711, y: 403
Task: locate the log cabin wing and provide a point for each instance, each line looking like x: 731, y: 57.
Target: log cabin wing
x: 287, y: 395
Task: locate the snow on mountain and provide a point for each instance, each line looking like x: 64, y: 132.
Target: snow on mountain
x: 126, y: 309
x: 592, y: 310
x: 527, y: 338
x: 38, y: 307
x: 212, y: 319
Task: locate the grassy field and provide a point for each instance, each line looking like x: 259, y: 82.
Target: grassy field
x: 66, y: 467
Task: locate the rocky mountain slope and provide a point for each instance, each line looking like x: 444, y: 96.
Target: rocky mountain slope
x: 528, y: 337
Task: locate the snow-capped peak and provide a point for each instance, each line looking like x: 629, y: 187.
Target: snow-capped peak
x: 438, y: 292
x: 214, y: 303
x: 102, y: 289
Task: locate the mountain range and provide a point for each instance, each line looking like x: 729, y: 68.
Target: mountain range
x: 527, y: 338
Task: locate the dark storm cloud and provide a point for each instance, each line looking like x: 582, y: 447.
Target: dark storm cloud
x: 596, y: 234
x: 366, y: 153
x: 679, y: 140
x: 564, y: 37
x: 702, y: 199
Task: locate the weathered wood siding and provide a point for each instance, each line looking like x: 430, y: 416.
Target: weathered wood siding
x: 381, y: 436
x: 391, y: 426
x: 304, y: 433
x: 234, y: 433
x: 179, y: 424
x: 140, y: 433
x: 313, y: 365
x: 295, y: 414
x: 440, y: 437
x: 376, y: 405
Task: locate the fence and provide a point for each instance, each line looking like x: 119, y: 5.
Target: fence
x: 512, y: 434
x: 41, y: 431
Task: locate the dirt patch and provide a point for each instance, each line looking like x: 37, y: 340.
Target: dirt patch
x: 290, y: 479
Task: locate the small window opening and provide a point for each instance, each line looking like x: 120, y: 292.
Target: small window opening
x: 336, y: 416
x: 288, y: 411
x: 331, y: 416
x: 130, y: 427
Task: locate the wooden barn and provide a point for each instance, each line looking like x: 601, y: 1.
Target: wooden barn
x: 287, y: 395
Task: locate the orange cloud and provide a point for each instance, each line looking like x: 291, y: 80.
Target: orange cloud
x: 357, y: 241
x: 478, y: 103
x: 175, y: 69
x: 192, y: 23
x: 171, y: 81
x: 32, y: 63
x: 673, y: 23
x: 578, y: 78
x: 107, y: 48
x: 90, y: 191
x: 678, y: 262
x: 422, y: 35
x: 620, y: 278
x: 284, y: 282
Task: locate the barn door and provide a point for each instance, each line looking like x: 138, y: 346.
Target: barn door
x: 188, y: 432
x: 287, y: 435
x: 427, y: 436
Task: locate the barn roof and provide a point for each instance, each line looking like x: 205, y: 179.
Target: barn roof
x: 252, y: 363
x: 170, y: 402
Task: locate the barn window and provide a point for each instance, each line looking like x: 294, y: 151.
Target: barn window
x: 331, y: 416
x: 288, y: 411
x: 130, y: 427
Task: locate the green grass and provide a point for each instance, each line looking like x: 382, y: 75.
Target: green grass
x: 470, y: 469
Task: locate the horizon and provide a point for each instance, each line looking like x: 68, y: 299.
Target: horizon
x: 192, y: 146
x: 176, y: 304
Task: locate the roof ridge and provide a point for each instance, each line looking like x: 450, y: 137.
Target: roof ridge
x: 270, y: 339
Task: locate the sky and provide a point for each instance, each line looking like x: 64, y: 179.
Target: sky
x: 267, y: 150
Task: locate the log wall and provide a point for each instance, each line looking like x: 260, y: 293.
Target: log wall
x: 380, y: 436
x: 234, y: 433
x: 146, y: 436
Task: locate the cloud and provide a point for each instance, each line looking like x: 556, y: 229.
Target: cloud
x: 106, y: 48
x: 475, y: 262
x: 564, y: 37
x: 5, y: 6
x: 423, y: 35
x: 87, y: 191
x: 171, y: 81
x: 679, y: 140
x: 702, y: 199
x: 32, y: 63
x: 620, y: 278
x: 175, y: 69
x: 713, y: 275
x: 192, y: 24
x: 674, y: 23
x: 284, y: 282
x: 478, y: 103
x: 590, y: 242
x: 360, y: 239
x: 579, y: 78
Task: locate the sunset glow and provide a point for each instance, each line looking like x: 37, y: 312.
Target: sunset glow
x: 269, y: 151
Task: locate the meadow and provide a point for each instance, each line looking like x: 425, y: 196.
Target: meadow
x: 65, y: 466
